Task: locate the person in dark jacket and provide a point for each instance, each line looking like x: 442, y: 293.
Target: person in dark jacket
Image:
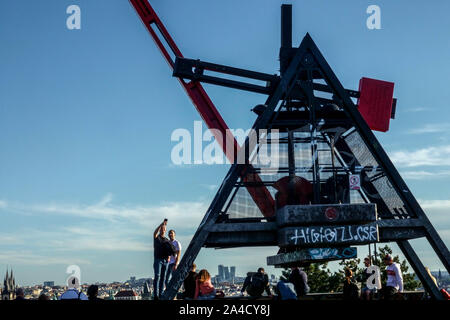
x: 161, y: 259
x: 189, y: 283
x: 20, y: 294
x: 43, y: 297
x: 299, y: 279
x: 92, y: 293
x: 256, y: 283
x: 351, y: 291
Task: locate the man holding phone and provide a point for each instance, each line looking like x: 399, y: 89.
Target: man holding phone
x: 161, y: 259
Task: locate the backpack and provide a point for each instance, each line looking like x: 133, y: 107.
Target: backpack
x: 259, y: 281
x: 257, y: 285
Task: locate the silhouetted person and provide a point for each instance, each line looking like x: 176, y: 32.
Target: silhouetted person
x: 351, y: 291
x: 20, y: 294
x: 299, y: 279
x: 161, y: 259
x: 189, y: 283
x: 256, y: 283
x: 92, y: 293
x: 43, y: 297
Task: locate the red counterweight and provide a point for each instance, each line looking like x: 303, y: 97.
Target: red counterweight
x: 375, y: 102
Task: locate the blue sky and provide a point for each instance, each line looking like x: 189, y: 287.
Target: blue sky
x: 86, y: 118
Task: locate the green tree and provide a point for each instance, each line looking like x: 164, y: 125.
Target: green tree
x: 338, y: 277
x: 321, y: 279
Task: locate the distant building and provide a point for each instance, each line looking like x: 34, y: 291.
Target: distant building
x: 232, y: 273
x: 9, y: 287
x: 49, y: 283
x: 227, y: 273
x: 141, y: 282
x: 132, y: 280
x: 110, y: 295
x: 126, y: 295
x: 146, y: 293
x: 221, y: 273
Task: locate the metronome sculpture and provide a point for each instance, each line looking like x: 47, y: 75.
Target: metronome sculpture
x: 334, y: 185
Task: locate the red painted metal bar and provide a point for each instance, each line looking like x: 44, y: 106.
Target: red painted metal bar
x: 203, y: 104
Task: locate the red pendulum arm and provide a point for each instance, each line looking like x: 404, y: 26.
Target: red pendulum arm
x: 203, y: 104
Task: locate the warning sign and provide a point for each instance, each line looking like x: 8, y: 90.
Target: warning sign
x: 355, y: 182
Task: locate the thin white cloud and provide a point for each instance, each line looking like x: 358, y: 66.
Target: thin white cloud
x: 104, y: 226
x: 437, y: 211
x: 30, y: 258
x: 3, y: 204
x: 180, y: 214
x: 418, y: 109
x: 435, y: 204
x: 210, y: 187
x: 78, y: 238
x: 431, y: 156
x: 421, y: 175
x: 431, y: 128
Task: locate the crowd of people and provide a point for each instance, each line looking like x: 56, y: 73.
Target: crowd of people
x: 72, y: 293
x: 198, y: 286
x: 394, y: 283
x: 167, y: 253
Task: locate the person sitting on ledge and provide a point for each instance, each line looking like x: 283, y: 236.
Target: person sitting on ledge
x: 256, y: 283
x: 20, y: 294
x: 72, y: 292
x: 295, y: 287
x: 300, y: 280
x: 93, y: 293
x: 189, y: 283
x: 351, y: 290
x: 43, y: 297
x: 366, y: 293
x: 204, y: 290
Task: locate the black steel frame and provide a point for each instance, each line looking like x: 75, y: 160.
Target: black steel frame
x: 299, y: 67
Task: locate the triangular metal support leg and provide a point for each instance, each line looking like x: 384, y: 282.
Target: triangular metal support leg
x: 283, y: 88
